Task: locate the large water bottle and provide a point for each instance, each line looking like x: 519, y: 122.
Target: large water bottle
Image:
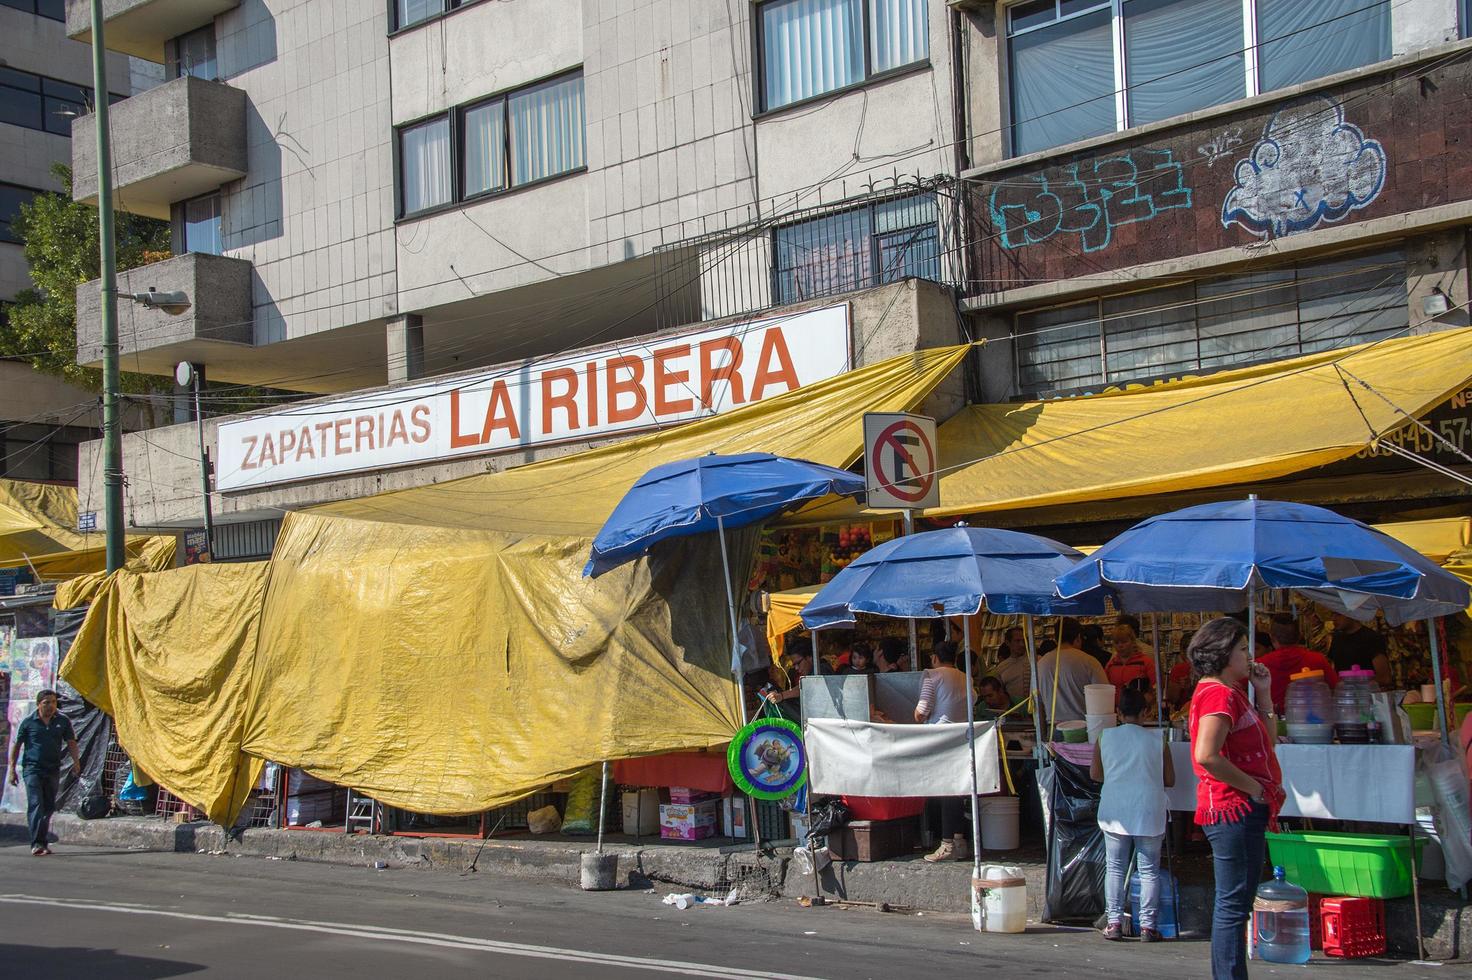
x: 1280, y: 921
x: 1165, y: 916
x: 1309, y: 708
x: 1354, y: 707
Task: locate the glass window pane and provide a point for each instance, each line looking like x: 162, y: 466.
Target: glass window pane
x: 1352, y: 301
x: 11, y: 198
x: 55, y: 9
x: 547, y: 130
x: 1058, y: 349
x: 824, y: 256
x: 898, y: 33
x: 202, y: 232
x: 1182, y: 55
x: 26, y: 5
x: 59, y: 113
x: 1247, y: 318
x: 485, y: 148
x: 413, y: 11
x: 1300, y: 40
x: 1149, y: 334
x: 194, y: 54
x: 810, y: 47
x: 19, y: 108
x: 1034, y: 14
x: 1063, y: 83
x: 424, y: 161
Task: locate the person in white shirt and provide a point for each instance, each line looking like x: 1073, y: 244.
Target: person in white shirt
x: 1063, y: 699
x: 1134, y: 764
x: 943, y: 698
x: 1012, y: 668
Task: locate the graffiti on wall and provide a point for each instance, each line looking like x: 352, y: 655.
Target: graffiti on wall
x: 1089, y: 198
x: 1310, y: 167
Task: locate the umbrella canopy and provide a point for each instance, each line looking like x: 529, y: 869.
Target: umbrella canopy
x: 690, y: 496
x: 1208, y: 558
x: 952, y: 572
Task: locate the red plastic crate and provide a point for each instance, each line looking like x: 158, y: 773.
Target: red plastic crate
x: 1353, y: 927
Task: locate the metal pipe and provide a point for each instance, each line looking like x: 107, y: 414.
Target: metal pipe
x: 1037, y: 695
x: 602, y: 807
x: 735, y: 629
x: 112, y: 435
x: 204, y: 471
x: 1159, y: 689
x: 971, y: 747
x: 909, y: 518
x: 1435, y: 642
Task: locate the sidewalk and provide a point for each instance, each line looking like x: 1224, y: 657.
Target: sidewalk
x: 706, y: 868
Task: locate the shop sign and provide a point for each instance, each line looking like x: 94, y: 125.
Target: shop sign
x: 635, y: 385
x: 900, y: 462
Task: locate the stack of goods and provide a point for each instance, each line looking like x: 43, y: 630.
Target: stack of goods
x: 313, y: 801
x: 690, y: 814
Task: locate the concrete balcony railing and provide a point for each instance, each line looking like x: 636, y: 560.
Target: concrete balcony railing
x: 140, y: 27
x: 182, y: 139
x: 217, y: 324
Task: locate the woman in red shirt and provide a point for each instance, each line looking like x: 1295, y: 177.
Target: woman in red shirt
x: 1239, y: 785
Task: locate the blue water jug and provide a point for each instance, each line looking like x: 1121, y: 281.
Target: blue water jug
x: 1165, y: 916
x: 1280, y: 921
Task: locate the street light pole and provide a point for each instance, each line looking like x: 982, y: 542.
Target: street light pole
x: 112, y: 435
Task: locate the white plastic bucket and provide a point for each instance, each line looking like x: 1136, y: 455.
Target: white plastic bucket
x: 1097, y: 723
x: 1002, y: 892
x: 1099, y: 699
x: 1000, y: 823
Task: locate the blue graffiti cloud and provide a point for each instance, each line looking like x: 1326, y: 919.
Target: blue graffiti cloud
x: 1310, y: 167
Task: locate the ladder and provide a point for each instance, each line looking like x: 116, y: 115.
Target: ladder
x: 362, y: 814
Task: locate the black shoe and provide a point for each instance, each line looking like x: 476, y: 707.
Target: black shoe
x: 1151, y: 936
x: 1114, y: 932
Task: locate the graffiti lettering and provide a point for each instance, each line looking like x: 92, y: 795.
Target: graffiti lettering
x: 1310, y: 167
x: 1089, y: 198
x: 1220, y: 146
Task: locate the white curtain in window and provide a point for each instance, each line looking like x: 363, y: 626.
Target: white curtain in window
x: 424, y: 157
x: 1300, y: 40
x: 1063, y: 83
x: 1182, y: 55
x: 898, y: 33
x: 547, y: 130
x: 811, y: 47
x: 485, y: 148
x: 413, y: 11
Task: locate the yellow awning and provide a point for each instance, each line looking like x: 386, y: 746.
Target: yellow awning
x: 1437, y: 539
x: 783, y: 614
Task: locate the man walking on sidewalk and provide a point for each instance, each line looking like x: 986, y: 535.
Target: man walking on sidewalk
x: 43, y: 734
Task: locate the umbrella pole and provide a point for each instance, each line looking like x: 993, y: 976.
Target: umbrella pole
x: 1037, y: 696
x: 1170, y: 864
x: 1435, y: 642
x: 735, y: 629
x: 971, y: 746
x: 1159, y: 690
x: 909, y: 517
x: 818, y: 898
x: 1251, y: 627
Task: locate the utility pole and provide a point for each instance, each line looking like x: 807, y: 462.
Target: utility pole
x: 112, y: 434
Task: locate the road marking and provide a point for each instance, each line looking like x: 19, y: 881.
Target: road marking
x: 388, y: 934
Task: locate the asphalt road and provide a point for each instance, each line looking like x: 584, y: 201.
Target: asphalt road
x: 96, y: 913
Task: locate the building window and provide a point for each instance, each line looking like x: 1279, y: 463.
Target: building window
x: 12, y: 197
x: 1178, y: 56
x: 50, y: 9
x: 41, y: 103
x: 1212, y: 324
x: 857, y: 248
x: 502, y: 142
x: 202, y: 226
x: 407, y: 13
x: 810, y: 47
x: 194, y: 54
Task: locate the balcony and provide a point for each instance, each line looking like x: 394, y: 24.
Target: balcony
x: 170, y: 143
x: 217, y: 324
x: 140, y: 27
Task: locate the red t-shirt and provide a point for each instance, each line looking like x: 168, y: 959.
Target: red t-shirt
x: 1122, y: 672
x: 1249, y: 747
x: 1284, y: 662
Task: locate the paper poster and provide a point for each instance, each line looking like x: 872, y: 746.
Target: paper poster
x: 32, y: 669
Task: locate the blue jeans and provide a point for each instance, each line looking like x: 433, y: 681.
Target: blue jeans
x: 40, y: 805
x: 1117, y: 849
x: 1237, y: 856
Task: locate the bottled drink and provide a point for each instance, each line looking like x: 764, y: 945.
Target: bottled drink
x: 1280, y: 921
x: 1354, y: 707
x: 1309, y: 708
x: 1165, y: 916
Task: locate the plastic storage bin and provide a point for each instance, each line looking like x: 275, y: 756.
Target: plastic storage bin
x: 1360, y: 865
x: 1352, y: 927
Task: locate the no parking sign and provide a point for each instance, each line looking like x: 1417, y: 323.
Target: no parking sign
x: 900, y: 461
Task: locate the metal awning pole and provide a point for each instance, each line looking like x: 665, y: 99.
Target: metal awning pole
x: 602, y: 807
x: 735, y: 629
x: 808, y: 798
x: 1159, y: 689
x: 1037, y: 696
x: 1435, y: 641
x: 971, y: 746
x: 914, y: 637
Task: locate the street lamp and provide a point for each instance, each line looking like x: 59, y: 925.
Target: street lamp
x: 173, y: 303
x: 187, y: 375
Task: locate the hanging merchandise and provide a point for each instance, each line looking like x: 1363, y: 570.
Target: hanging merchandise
x: 767, y: 759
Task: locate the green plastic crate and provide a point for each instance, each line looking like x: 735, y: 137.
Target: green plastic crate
x: 1357, y: 865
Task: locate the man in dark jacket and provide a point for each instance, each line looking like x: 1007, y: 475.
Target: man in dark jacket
x: 42, y: 735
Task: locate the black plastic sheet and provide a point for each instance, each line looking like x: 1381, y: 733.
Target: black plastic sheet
x: 92, y: 727
x: 1075, y: 873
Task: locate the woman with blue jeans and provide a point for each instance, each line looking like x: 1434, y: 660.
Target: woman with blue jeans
x: 1239, y: 785
x: 1135, y: 767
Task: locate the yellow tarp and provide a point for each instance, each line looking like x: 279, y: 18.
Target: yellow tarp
x: 1459, y: 563
x: 1253, y: 424
x: 1437, y: 539
x: 154, y: 555
x: 784, y: 614
x: 169, y: 656
x: 439, y: 649
x: 38, y: 528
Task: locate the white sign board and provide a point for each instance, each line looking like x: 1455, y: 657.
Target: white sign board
x: 900, y: 461
x: 637, y: 384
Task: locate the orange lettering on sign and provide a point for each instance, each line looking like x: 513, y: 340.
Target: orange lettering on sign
x: 362, y: 432
x: 566, y: 400
x: 341, y: 430
x: 591, y: 374
x: 710, y: 374
x: 500, y: 414
x: 458, y: 440
x: 268, y: 450
x: 397, y: 431
x: 632, y: 385
x: 304, y: 445
x: 664, y: 378
x: 774, y: 347
x: 419, y: 418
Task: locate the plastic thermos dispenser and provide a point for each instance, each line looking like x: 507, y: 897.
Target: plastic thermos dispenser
x: 1354, y: 707
x: 1309, y: 708
x: 1280, y: 921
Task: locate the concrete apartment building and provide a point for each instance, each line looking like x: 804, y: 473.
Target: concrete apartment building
x: 428, y: 202
x: 45, y: 81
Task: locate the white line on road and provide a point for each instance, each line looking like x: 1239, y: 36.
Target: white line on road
x: 387, y: 934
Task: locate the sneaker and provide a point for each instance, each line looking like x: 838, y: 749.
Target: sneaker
x: 46, y: 852
x: 38, y: 851
x: 1114, y: 932
x: 1151, y: 936
x: 946, y: 852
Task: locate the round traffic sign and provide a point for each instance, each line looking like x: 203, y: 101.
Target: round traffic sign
x: 919, y: 459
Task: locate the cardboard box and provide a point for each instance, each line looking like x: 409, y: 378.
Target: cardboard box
x: 694, y: 821
x: 687, y: 796
x: 641, y: 812
x: 734, y: 813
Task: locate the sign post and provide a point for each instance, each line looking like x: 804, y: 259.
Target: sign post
x: 900, y: 467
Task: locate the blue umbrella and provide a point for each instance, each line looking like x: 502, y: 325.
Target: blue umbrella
x: 952, y: 572
x: 710, y: 493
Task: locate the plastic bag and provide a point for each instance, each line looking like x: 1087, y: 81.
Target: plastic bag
x: 828, y: 817
x: 544, y: 821
x: 131, y: 792
x: 582, y: 802
x: 1448, y: 776
x: 1076, y: 863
